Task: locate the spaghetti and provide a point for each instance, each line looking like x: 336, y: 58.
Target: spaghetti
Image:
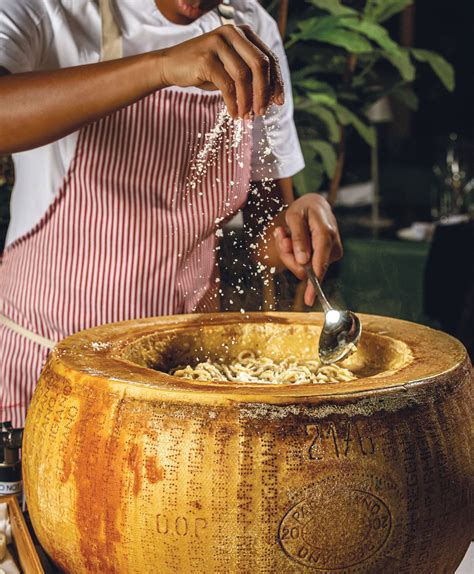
x: 248, y: 368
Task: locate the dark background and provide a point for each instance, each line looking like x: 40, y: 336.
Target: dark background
x: 448, y: 28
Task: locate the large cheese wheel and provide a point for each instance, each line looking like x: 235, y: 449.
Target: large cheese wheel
x: 129, y: 470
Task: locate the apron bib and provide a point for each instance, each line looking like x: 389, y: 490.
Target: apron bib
x: 126, y: 237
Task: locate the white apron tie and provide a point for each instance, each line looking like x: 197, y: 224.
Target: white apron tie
x: 111, y: 37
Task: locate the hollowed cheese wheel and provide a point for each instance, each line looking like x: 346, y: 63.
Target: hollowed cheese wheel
x: 128, y: 470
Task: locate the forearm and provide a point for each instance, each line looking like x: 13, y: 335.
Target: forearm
x: 263, y: 214
x: 266, y: 252
x: 37, y: 108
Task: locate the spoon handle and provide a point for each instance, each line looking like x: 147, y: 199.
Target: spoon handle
x: 314, y: 280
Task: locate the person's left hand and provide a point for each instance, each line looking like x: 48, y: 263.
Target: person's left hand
x: 311, y: 234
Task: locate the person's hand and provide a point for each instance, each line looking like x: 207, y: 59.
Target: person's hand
x: 231, y: 59
x: 311, y: 234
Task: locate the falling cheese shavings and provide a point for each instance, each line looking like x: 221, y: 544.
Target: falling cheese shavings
x: 223, y: 151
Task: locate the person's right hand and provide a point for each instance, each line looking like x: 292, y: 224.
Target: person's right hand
x: 231, y: 59
x: 50, y: 104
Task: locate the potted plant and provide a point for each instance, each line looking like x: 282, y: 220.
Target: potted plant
x: 343, y: 60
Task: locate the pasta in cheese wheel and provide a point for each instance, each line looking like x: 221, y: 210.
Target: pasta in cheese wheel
x: 248, y: 368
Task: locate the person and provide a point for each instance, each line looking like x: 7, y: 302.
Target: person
x: 103, y: 104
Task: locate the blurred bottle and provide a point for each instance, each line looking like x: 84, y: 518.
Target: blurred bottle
x: 469, y: 195
x: 454, y: 183
x: 10, y: 463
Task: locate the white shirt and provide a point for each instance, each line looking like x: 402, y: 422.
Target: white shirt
x: 52, y: 34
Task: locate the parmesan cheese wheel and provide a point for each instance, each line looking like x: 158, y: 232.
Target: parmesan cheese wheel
x: 129, y: 470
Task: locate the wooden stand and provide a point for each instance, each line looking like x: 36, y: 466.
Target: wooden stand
x: 29, y: 560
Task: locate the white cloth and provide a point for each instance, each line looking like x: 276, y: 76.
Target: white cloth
x: 52, y: 34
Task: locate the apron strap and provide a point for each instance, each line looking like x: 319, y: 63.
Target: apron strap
x: 226, y: 13
x: 30, y: 335
x: 111, y: 39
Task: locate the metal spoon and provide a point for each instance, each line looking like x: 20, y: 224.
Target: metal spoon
x: 341, y: 329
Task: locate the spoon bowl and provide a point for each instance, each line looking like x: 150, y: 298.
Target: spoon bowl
x: 341, y: 330
x: 339, y: 336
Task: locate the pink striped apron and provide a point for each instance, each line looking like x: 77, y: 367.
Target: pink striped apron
x: 126, y: 237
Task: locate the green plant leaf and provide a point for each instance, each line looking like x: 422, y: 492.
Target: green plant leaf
x: 346, y: 117
x: 330, y: 30
x: 406, y: 96
x: 327, y: 153
x: 310, y: 179
x: 311, y: 27
x: 398, y: 57
x: 305, y: 61
x: 302, y: 74
x: 367, y: 72
x: 333, y: 60
x: 333, y: 7
x: 313, y: 85
x: 348, y: 96
x: 372, y: 31
x: 439, y: 65
x: 325, y: 99
x: 403, y: 64
x: 381, y: 10
x: 347, y: 39
x: 324, y: 115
